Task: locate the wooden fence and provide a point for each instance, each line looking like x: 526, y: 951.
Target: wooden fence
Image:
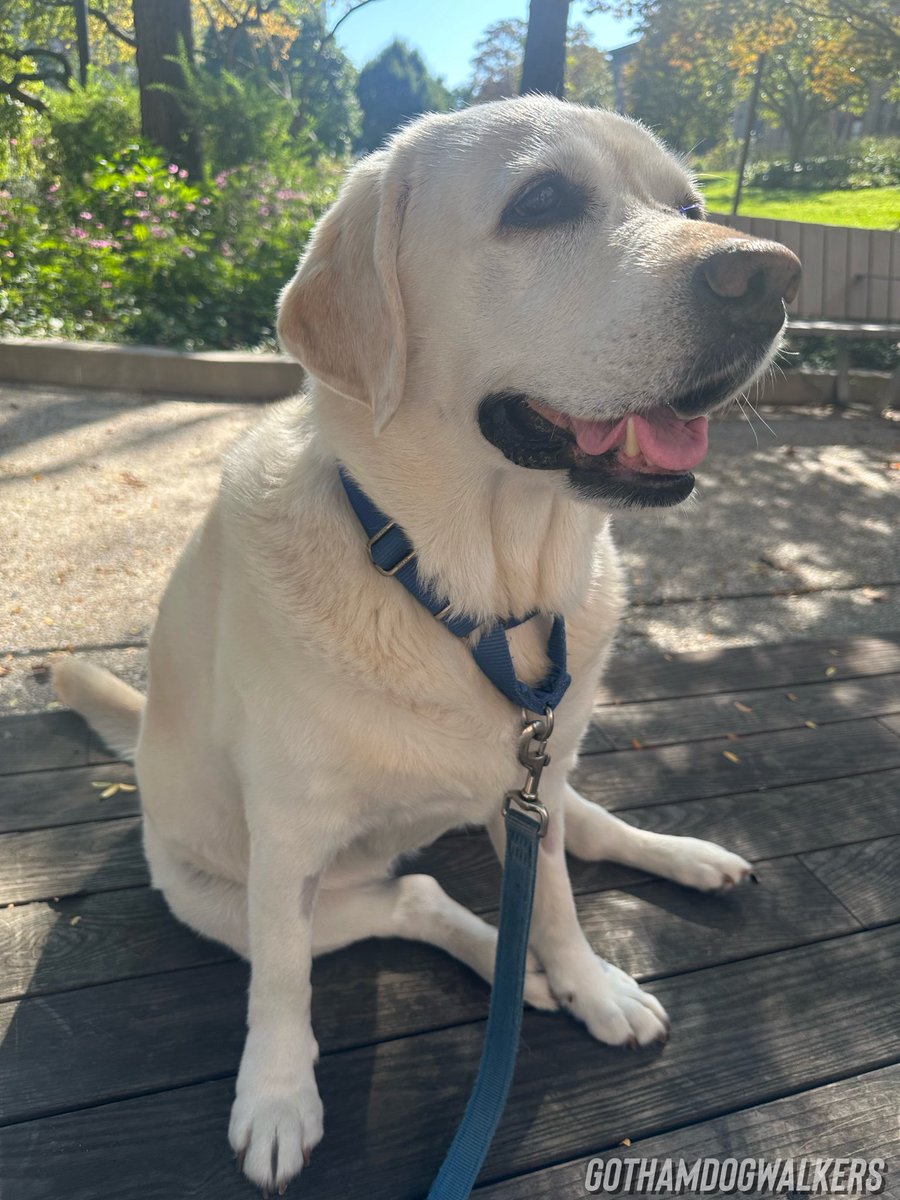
x: 848, y: 274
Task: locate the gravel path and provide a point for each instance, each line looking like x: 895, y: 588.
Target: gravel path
x: 789, y: 538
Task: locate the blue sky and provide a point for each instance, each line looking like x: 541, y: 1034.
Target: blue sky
x: 445, y: 31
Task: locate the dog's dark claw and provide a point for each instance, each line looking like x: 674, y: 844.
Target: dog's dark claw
x: 754, y: 877
x: 307, y: 1157
x: 632, y: 1043
x: 239, y: 1159
x: 282, y: 1189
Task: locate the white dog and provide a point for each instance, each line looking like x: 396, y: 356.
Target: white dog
x: 514, y: 320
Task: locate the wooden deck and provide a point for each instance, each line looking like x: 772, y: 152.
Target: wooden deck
x: 122, y: 1031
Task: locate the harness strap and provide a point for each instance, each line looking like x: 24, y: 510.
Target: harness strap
x: 392, y: 554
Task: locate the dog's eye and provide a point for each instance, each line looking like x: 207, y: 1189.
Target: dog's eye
x: 693, y: 210
x: 551, y: 200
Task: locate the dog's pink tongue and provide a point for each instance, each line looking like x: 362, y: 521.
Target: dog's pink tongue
x: 672, y: 444
x: 664, y: 440
x: 596, y: 437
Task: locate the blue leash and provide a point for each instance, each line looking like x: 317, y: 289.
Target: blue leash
x: 393, y: 555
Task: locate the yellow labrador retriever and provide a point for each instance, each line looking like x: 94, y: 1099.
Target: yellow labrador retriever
x: 515, y: 319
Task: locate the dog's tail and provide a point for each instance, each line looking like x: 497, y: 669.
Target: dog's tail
x: 111, y: 707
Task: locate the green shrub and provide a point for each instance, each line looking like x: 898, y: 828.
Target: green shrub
x: 137, y: 252
x: 90, y: 123
x: 874, y: 162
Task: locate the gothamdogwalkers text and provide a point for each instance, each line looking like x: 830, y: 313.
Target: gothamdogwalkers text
x: 736, y: 1176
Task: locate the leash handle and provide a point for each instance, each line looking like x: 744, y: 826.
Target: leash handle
x: 469, y: 1147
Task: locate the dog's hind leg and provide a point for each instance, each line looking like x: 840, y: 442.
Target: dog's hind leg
x: 592, y: 833
x: 210, y: 904
x: 415, y: 907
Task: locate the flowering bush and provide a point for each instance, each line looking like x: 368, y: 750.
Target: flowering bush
x: 139, y: 252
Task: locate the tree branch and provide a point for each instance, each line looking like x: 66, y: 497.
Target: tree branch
x: 349, y: 13
x: 113, y: 28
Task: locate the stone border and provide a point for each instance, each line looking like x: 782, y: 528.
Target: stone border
x: 226, y: 374
x: 237, y: 375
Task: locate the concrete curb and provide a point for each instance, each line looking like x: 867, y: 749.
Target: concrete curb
x: 237, y: 375
x: 219, y: 373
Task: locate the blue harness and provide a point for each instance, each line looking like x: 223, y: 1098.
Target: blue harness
x: 526, y: 822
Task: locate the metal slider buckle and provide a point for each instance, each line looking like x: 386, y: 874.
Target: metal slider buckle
x: 534, y: 808
x: 376, y: 537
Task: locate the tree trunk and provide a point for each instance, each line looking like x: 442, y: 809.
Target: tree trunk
x: 84, y: 45
x: 748, y: 132
x: 544, y: 68
x: 162, y: 30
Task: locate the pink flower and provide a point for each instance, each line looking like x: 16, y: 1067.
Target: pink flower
x: 172, y: 213
x: 205, y: 200
x: 86, y: 216
x: 106, y: 284
x: 140, y: 195
x: 9, y: 254
x: 190, y: 207
x: 188, y: 252
x: 54, y: 187
x: 143, y: 214
x: 173, y: 168
x: 182, y: 174
x: 14, y: 141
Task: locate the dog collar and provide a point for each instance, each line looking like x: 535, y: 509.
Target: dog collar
x: 392, y: 554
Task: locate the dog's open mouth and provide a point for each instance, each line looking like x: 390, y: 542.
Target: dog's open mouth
x: 639, y: 460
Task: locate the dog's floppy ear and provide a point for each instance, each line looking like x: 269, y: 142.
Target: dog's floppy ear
x: 341, y: 315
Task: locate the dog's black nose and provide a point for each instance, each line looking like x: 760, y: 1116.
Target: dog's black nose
x: 748, y: 282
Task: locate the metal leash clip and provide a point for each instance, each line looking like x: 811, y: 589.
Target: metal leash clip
x: 534, y: 757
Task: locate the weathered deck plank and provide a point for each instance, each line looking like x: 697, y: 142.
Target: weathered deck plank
x: 855, y: 1118
x: 121, y: 1029
x: 865, y: 877
x: 693, y: 718
x: 741, y: 1040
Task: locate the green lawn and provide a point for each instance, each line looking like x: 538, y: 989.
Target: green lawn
x: 867, y: 208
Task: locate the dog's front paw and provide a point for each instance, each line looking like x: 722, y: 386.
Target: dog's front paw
x: 702, y: 865
x: 274, y: 1135
x: 613, y: 1006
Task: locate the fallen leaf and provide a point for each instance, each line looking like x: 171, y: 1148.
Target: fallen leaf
x: 810, y: 724
x: 132, y: 480
x: 791, y: 695
x: 636, y: 744
x: 75, y: 920
x: 127, y: 787
x: 732, y: 737
x: 831, y: 670
x: 100, y: 783
x: 110, y: 791
x: 731, y: 756
x: 742, y: 707
x: 48, y: 620
x: 37, y: 478
x: 625, y: 1142
x: 871, y: 593
x: 894, y: 466
x: 4, y: 671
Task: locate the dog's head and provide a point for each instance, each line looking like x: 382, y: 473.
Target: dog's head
x: 544, y: 274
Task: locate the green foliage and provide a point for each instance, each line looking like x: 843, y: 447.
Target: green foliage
x: 239, y: 118
x: 88, y: 123
x: 137, y: 252
x: 876, y: 163
x: 392, y: 89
